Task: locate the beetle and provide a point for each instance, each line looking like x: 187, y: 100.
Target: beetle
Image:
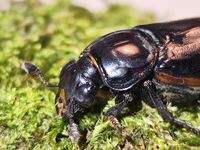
x: 157, y: 63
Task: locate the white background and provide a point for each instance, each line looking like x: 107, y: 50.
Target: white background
x: 163, y: 9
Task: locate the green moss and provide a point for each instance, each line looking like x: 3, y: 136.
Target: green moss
x: 50, y: 36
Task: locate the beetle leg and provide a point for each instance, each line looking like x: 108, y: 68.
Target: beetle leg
x: 68, y: 116
x: 73, y: 131
x: 162, y: 109
x: 67, y: 113
x: 112, y: 113
x: 72, y: 128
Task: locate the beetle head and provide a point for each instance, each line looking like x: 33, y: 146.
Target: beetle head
x: 80, y: 87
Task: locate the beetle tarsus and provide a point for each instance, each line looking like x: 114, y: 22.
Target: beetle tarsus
x: 115, y: 122
x: 187, y: 126
x: 73, y: 132
x: 162, y: 109
x: 32, y: 69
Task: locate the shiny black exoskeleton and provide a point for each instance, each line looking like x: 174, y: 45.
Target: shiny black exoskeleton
x: 159, y: 62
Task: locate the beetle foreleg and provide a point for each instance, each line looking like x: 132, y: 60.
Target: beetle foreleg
x: 123, y: 100
x: 68, y: 116
x: 73, y: 131
x: 162, y: 109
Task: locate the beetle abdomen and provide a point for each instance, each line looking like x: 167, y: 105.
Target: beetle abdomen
x: 177, y: 94
x: 177, y: 73
x: 179, y: 60
x: 177, y: 81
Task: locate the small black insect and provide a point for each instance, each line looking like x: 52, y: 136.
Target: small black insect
x: 156, y: 63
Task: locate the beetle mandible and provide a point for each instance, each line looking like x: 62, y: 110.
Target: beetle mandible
x: 159, y: 62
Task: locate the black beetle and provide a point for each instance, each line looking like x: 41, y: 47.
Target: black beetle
x: 156, y: 62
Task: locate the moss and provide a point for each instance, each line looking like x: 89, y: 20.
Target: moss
x: 50, y: 36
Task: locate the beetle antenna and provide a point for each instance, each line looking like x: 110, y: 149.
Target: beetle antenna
x: 30, y: 68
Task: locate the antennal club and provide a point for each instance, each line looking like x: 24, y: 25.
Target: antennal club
x: 30, y: 68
